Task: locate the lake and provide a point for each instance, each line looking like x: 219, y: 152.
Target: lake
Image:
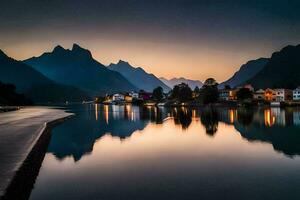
x: 128, y: 152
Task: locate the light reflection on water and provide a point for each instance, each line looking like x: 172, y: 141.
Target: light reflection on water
x: 129, y: 152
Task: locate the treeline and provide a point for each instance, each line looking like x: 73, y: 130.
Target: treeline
x: 9, y: 96
x: 182, y: 93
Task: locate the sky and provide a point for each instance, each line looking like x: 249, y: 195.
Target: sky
x: 169, y: 38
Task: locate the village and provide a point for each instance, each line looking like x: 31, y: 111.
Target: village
x: 209, y: 93
x: 274, y: 97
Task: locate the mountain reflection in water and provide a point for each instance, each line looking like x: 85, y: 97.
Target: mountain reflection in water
x: 76, y: 137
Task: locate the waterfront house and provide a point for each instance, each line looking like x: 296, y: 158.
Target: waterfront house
x: 296, y: 94
x: 283, y: 95
x: 118, y: 97
x: 128, y: 98
x: 270, y: 95
x: 145, y: 95
x: 249, y: 86
x: 259, y: 94
x: 232, y: 94
x: 224, y: 94
x: 134, y: 95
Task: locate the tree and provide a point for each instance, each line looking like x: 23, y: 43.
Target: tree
x: 210, y: 120
x: 210, y: 82
x: 209, y: 92
x: 182, y: 92
x: 227, y: 87
x: 243, y: 94
x: 196, y: 91
x: 158, y: 93
x: 209, y: 95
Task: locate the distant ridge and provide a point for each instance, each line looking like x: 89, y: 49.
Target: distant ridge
x: 77, y: 67
x: 138, y: 76
x: 246, y: 72
x: 35, y: 85
x: 282, y: 70
x: 175, y: 81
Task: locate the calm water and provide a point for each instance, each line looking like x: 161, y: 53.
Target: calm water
x: 127, y: 152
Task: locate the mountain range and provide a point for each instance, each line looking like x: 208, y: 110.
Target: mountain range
x: 246, y: 72
x: 138, y: 77
x: 175, y: 81
x: 282, y: 70
x: 78, y: 68
x: 34, y: 84
x: 74, y: 75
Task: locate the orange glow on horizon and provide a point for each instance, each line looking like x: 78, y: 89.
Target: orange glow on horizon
x: 164, y: 60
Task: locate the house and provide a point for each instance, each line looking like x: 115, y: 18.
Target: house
x: 118, y: 97
x: 128, y: 98
x: 134, y: 95
x: 259, y: 94
x: 270, y: 95
x: 224, y: 94
x: 145, y: 95
x: 249, y: 86
x: 232, y: 94
x: 283, y: 95
x: 296, y: 94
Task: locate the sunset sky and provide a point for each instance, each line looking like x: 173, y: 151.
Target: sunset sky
x: 189, y: 38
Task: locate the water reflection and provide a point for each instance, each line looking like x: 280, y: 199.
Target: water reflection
x: 129, y: 152
x: 182, y: 116
x: 210, y: 120
x: 76, y: 137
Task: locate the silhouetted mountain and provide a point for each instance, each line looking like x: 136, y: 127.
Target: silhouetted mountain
x: 246, y: 72
x: 138, y: 77
x: 77, y: 67
x: 34, y: 84
x: 282, y: 71
x: 175, y: 81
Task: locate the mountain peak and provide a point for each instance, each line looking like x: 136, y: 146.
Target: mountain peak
x: 81, y: 51
x: 2, y: 54
x: 122, y: 62
x: 76, y: 47
x: 58, y: 49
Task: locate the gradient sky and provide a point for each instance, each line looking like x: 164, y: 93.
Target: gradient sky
x: 170, y: 38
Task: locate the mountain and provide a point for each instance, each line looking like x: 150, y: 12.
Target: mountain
x: 246, y: 72
x: 282, y: 71
x: 77, y: 67
x: 34, y: 84
x: 175, y: 81
x: 138, y: 77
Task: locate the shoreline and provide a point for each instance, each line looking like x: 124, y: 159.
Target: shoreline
x: 9, y: 108
x: 23, y: 178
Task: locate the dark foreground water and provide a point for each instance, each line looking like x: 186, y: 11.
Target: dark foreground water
x: 126, y: 152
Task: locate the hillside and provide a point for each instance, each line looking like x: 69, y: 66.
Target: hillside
x: 138, y: 77
x: 175, y: 81
x: 246, y: 72
x: 77, y: 67
x: 282, y: 70
x: 34, y: 84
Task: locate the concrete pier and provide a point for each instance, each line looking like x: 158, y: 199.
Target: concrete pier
x: 19, y: 132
